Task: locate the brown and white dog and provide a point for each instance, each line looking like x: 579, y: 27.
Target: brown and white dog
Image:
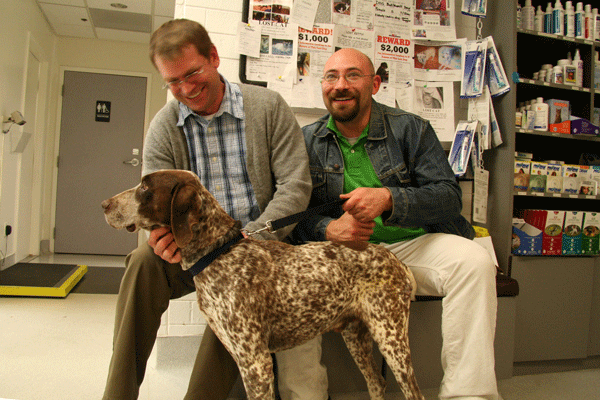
x: 263, y: 296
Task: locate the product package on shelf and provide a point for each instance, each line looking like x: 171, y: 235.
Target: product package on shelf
x: 570, y: 179
x: 552, y: 235
x: 583, y: 126
x: 554, y: 180
x: 571, y: 239
x: 522, y: 173
x: 538, y: 177
x: 587, y: 185
x: 559, y: 116
x: 595, y: 174
x: 590, y: 240
x: 526, y: 239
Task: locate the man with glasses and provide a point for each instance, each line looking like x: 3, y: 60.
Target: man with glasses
x: 400, y: 192
x: 244, y: 143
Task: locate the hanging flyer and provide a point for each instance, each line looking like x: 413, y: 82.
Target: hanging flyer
x: 314, y: 49
x: 393, y: 58
x: 435, y: 61
x: 359, y: 39
x: 357, y: 13
x: 278, y: 45
x: 304, y: 12
x: 394, y: 15
x: 433, y: 20
x: 434, y: 101
x: 405, y: 96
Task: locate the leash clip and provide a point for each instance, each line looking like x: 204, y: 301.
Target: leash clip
x: 268, y: 227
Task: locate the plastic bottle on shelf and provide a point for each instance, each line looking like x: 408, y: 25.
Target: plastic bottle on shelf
x: 578, y: 64
x: 579, y: 21
x: 588, y: 28
x: 519, y: 16
x: 528, y: 16
x: 548, y: 19
x: 569, y: 19
x: 558, y: 19
x: 538, y: 24
x: 541, y: 115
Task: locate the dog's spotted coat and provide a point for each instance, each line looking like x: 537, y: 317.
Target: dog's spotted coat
x: 265, y: 296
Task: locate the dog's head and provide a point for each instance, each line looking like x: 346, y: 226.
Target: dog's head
x: 173, y: 198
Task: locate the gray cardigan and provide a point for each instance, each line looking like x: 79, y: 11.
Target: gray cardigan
x: 276, y: 159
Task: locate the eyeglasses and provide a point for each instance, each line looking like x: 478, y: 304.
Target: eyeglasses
x: 350, y: 77
x: 186, y: 79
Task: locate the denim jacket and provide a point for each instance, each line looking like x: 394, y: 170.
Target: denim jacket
x: 408, y: 159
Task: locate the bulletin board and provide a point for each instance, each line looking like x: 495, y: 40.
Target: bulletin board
x: 413, y: 45
x: 323, y: 15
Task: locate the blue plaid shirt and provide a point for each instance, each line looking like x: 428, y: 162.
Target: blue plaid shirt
x: 218, y: 154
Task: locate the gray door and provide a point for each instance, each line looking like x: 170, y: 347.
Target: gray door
x: 102, y: 129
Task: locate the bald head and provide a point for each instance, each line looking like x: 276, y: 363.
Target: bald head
x: 350, y: 58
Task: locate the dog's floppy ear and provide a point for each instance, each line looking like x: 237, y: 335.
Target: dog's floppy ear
x: 185, y: 205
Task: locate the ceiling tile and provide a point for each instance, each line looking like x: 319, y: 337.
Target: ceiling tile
x: 59, y: 14
x: 164, y: 7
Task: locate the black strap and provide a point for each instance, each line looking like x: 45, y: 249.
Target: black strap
x: 202, y: 263
x: 285, y: 221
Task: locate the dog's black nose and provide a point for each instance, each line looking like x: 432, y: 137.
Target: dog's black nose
x: 106, y: 204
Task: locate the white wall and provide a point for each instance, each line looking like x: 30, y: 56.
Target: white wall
x: 22, y: 24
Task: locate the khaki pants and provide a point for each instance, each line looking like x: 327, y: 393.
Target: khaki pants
x: 147, y: 287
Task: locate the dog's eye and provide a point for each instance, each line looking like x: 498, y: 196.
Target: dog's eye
x: 143, y: 187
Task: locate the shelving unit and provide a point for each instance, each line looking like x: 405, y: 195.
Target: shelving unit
x: 558, y: 309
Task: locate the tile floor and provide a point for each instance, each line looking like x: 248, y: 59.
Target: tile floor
x: 59, y: 349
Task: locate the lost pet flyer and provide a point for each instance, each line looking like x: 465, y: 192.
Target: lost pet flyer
x: 393, y: 58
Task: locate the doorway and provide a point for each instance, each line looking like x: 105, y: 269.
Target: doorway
x: 100, y: 152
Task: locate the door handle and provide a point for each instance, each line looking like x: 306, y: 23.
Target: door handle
x: 134, y: 162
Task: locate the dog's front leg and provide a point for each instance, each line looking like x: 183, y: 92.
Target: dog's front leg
x: 256, y: 370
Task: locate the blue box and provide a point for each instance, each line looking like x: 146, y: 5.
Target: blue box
x: 526, y: 239
x: 583, y: 126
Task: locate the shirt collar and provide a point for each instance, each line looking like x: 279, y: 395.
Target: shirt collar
x: 228, y: 105
x: 331, y: 125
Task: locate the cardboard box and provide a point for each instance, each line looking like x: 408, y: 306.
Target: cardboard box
x: 583, y: 126
x: 522, y: 171
x: 552, y: 234
x: 590, y: 238
x: 554, y: 181
x: 559, y: 116
x: 526, y: 239
x: 538, y: 176
x: 595, y: 173
x: 570, y: 179
x: 571, y: 238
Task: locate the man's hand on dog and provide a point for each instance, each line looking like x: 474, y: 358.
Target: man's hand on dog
x: 162, y: 241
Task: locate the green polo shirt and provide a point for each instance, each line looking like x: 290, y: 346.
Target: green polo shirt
x: 359, y: 172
